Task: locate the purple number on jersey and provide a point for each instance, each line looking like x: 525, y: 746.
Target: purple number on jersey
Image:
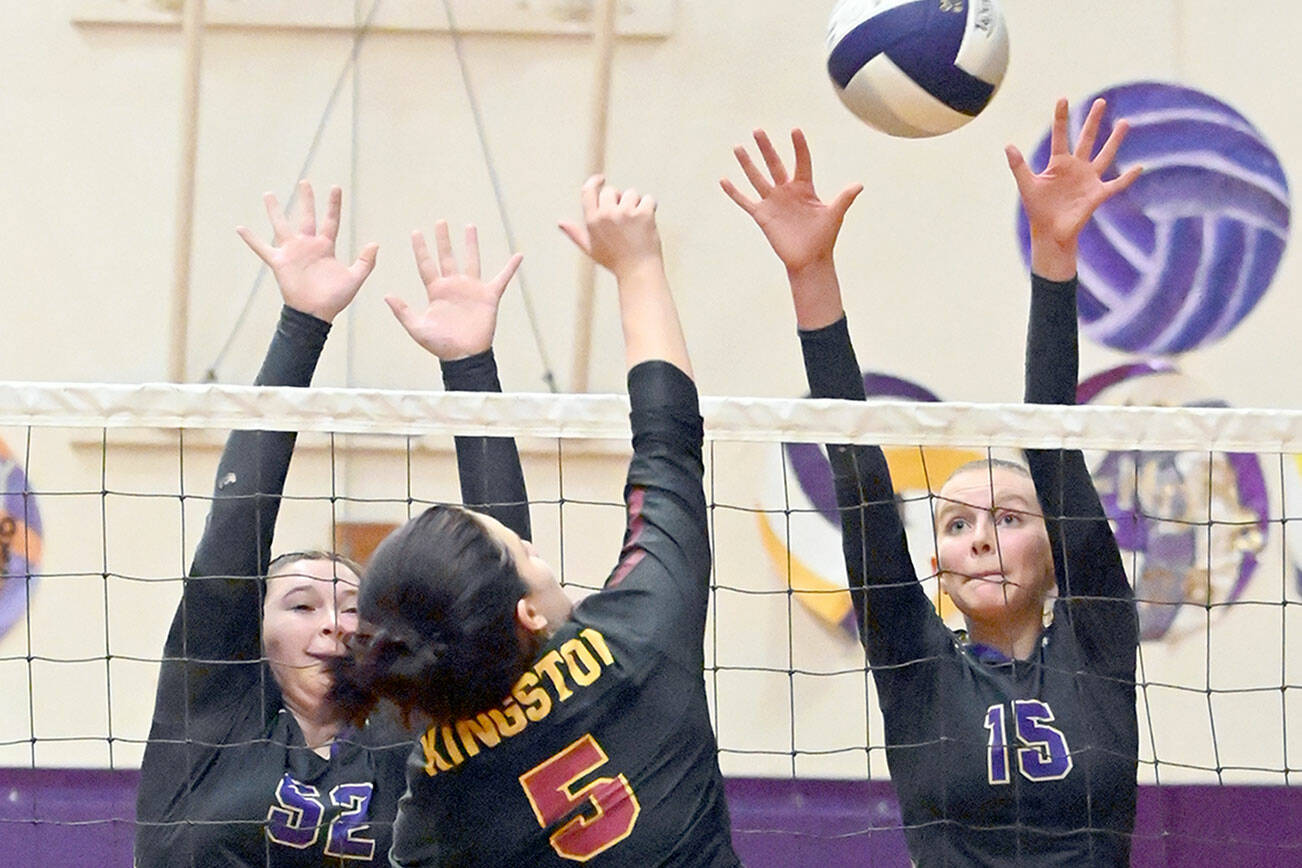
x: 1043, y: 754
x: 345, y: 840
x: 296, y: 820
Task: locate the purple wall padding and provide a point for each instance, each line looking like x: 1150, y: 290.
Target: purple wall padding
x: 67, y: 818
x: 54, y: 818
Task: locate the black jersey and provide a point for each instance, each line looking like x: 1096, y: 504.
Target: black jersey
x: 603, y: 752
x: 226, y: 777
x: 996, y: 761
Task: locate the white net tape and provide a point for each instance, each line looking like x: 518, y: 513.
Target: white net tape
x: 762, y: 420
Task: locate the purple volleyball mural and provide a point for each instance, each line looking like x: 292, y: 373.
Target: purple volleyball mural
x: 1160, y: 502
x: 20, y: 540
x: 1180, y: 258
x: 801, y: 531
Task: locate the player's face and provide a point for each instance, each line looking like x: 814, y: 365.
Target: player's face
x: 310, y: 608
x: 545, y: 593
x: 992, y: 549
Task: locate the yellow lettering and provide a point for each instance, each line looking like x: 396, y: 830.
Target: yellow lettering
x: 451, y: 744
x: 434, y: 761
x: 598, y: 643
x: 549, y: 665
x: 510, y: 720
x: 537, y: 704
x: 477, y: 729
x: 584, y: 668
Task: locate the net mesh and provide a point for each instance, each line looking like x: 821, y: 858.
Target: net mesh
x: 105, y: 490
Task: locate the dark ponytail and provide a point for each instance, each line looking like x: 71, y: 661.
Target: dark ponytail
x: 439, y: 634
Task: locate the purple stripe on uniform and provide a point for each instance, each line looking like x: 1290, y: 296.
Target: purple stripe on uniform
x: 871, y: 38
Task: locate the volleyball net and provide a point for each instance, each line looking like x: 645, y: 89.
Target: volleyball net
x: 105, y: 490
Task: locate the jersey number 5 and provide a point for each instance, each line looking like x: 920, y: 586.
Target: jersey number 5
x: 1043, y: 754
x: 550, y: 786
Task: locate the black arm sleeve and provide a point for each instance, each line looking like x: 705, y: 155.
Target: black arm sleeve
x: 492, y: 480
x: 1090, y: 575
x: 214, y: 647
x: 659, y: 590
x: 889, y: 605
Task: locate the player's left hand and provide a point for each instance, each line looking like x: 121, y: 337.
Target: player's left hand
x: 303, y: 259
x: 461, y: 315
x: 1060, y: 200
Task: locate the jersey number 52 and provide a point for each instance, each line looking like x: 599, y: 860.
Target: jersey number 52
x: 613, y: 808
x: 1042, y: 752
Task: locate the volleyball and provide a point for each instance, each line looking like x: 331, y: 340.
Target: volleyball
x: 917, y: 68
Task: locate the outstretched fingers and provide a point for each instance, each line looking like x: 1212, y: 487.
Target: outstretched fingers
x: 841, y: 204
x: 264, y: 251
x: 1058, y: 133
x: 276, y: 215
x: 443, y: 243
x: 1108, y: 152
x: 1022, y: 173
x: 777, y: 170
x: 743, y: 201
x: 365, y: 263
x: 578, y: 234
x: 1089, y: 131
x: 590, y: 192
x: 401, y: 312
x: 1128, y: 177
x: 334, y: 207
x: 472, y: 251
x: 757, y: 180
x: 425, y: 264
x: 804, y: 162
x: 498, y: 286
x: 306, y: 208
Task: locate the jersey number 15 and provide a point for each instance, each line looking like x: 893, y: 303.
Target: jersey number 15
x: 1042, y: 752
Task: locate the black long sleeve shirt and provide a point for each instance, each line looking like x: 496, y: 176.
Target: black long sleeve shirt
x: 226, y: 777
x: 997, y: 762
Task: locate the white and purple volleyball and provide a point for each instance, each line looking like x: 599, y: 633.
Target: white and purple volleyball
x: 917, y: 68
x: 1179, y: 259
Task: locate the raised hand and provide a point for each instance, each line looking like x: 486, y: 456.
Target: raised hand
x: 800, y: 227
x: 619, y: 227
x: 619, y: 232
x: 461, y: 315
x: 302, y: 257
x: 1060, y: 200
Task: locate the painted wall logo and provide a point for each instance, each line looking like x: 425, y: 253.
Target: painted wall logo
x: 1176, y: 261
x: 20, y: 540
x: 801, y: 531
x: 1191, y: 526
